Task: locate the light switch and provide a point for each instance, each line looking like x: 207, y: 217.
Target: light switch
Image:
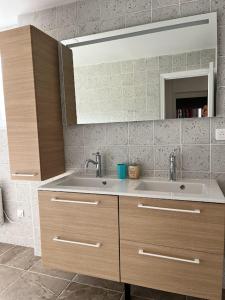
x: 220, y: 134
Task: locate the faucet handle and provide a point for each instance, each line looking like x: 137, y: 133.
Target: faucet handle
x: 174, y: 152
x: 97, y: 153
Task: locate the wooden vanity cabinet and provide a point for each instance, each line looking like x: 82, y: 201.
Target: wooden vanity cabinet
x: 30, y: 67
x: 80, y: 234
x: 175, y: 246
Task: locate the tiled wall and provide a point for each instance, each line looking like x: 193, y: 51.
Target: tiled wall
x: 150, y: 143
x: 129, y: 90
x: 16, y: 195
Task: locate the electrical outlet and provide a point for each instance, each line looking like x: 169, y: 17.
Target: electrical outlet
x: 220, y: 134
x: 20, y: 213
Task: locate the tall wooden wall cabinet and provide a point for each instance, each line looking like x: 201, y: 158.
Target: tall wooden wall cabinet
x: 33, y: 107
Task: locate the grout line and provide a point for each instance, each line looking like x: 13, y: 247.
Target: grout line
x: 11, y: 284
x: 12, y: 267
x: 74, y: 277
x: 179, y: 3
x: 7, y: 251
x: 153, y: 142
x: 31, y: 200
x: 158, y: 145
x: 151, y: 11
x: 167, y: 6
x: 36, y: 262
x: 63, y: 290
x: 122, y: 298
x: 128, y: 142
x: 43, y: 274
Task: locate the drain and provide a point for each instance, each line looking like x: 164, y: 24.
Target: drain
x: 182, y: 187
x: 104, y: 182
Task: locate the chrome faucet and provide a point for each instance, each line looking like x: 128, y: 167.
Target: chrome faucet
x: 172, y: 166
x: 97, y: 163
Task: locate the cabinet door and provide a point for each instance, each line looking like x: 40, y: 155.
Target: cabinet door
x: 180, y: 224
x: 20, y: 103
x: 79, y: 233
x: 33, y: 108
x: 185, y: 272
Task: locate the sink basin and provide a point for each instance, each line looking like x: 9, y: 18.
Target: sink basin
x: 88, y: 182
x: 171, y: 187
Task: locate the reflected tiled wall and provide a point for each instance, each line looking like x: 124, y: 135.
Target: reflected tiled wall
x: 129, y: 90
x: 150, y: 143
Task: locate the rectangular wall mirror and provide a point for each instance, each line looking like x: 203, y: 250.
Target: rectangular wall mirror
x: 149, y: 72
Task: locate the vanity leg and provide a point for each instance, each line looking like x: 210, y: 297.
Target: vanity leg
x: 127, y: 291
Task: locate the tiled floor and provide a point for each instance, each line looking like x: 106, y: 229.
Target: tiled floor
x: 22, y: 277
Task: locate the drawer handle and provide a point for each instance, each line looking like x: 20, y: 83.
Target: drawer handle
x: 190, y: 261
x: 25, y: 174
x: 58, y: 239
x: 75, y: 201
x: 194, y: 211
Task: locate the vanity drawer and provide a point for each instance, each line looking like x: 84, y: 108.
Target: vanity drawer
x: 172, y: 270
x: 83, y: 214
x: 180, y: 224
x: 89, y: 255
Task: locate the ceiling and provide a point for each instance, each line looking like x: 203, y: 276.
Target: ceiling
x: 10, y: 9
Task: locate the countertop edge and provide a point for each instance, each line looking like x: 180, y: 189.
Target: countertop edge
x: 168, y: 196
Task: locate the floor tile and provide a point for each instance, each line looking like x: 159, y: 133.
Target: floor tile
x: 39, y: 268
x: 33, y: 286
x: 154, y: 294
x: 140, y: 298
x: 137, y: 298
x: 5, y: 247
x: 77, y: 291
x: 98, y: 282
x: 19, y: 257
x: 8, y: 276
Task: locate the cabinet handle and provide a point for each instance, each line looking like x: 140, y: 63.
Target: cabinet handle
x: 25, y: 174
x: 58, y: 239
x: 190, y: 261
x: 194, y: 211
x: 75, y: 201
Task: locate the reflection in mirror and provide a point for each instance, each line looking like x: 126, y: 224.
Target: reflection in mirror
x: 188, y: 94
x: 149, y: 72
x: 187, y: 97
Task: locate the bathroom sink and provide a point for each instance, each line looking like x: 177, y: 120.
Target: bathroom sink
x: 88, y: 182
x: 172, y: 187
x: 156, y: 188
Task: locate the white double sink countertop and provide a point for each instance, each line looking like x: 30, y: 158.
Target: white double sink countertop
x: 200, y: 190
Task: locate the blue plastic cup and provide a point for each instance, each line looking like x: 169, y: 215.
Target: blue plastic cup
x: 122, y: 171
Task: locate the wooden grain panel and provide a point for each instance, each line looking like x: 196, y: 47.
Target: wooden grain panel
x: 48, y: 102
x: 84, y: 223
x: 32, y: 100
x: 203, y: 280
x: 68, y: 84
x: 20, y: 102
x: 201, y: 232
x: 100, y: 262
x: 87, y: 220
